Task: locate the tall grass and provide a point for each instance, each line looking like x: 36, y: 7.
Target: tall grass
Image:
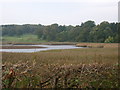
x: 22, y: 75
x: 75, y: 68
x: 73, y: 56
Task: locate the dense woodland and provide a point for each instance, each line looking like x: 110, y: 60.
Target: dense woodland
x: 104, y: 32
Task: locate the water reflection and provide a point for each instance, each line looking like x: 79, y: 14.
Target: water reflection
x: 49, y: 47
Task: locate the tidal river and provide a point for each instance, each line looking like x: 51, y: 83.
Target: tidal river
x: 48, y: 47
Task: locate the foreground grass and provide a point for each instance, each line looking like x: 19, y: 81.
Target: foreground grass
x: 73, y: 56
x: 75, y: 68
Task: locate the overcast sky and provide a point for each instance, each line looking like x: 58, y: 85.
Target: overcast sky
x: 63, y: 12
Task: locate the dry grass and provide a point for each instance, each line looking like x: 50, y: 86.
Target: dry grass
x: 73, y: 56
x: 75, y: 68
x: 22, y: 75
x: 98, y: 45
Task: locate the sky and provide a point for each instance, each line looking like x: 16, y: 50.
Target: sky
x: 62, y: 12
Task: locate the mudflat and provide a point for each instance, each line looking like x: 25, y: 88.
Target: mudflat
x: 20, y: 47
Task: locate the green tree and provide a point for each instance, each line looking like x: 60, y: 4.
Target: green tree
x: 109, y: 40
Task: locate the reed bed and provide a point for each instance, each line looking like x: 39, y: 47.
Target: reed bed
x: 98, y: 45
x: 75, y: 68
x: 95, y: 75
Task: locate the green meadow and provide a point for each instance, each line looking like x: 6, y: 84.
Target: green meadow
x: 27, y: 38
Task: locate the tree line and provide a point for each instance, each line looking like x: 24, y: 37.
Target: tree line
x: 88, y: 31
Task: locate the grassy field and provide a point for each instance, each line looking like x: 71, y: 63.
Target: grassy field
x: 74, y: 68
x: 28, y: 38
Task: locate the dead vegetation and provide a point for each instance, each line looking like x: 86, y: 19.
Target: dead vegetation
x: 22, y: 75
x: 75, y: 68
x: 98, y: 45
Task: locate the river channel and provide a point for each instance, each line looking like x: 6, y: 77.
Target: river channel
x: 48, y: 47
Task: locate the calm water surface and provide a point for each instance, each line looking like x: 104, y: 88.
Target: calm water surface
x: 48, y: 47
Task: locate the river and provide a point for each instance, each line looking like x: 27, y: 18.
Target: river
x: 48, y: 47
